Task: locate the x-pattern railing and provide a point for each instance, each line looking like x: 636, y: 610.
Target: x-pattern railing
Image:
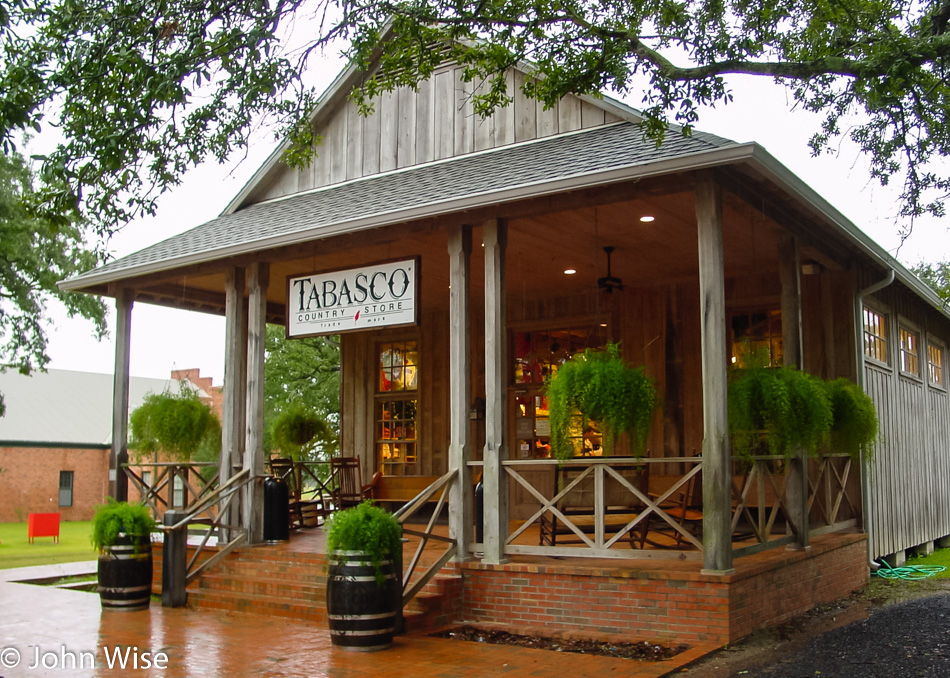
x: 834, y: 484
x: 439, y: 488
x: 211, y: 512
x: 760, y: 497
x: 762, y: 491
x: 639, y: 509
x: 159, y: 491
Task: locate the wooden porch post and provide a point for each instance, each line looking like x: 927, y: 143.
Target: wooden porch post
x: 235, y: 392
x: 790, y: 277
x: 118, y: 481
x: 717, y: 477
x: 461, y: 518
x: 495, y: 234
x: 258, y: 278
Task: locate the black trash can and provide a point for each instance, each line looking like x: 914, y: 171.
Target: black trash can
x: 276, y: 511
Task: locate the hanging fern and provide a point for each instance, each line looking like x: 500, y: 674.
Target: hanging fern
x: 295, y: 428
x: 180, y: 425
x: 778, y: 408
x: 599, y: 386
x: 854, y: 427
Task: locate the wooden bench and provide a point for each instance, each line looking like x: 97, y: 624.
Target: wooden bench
x: 399, y: 489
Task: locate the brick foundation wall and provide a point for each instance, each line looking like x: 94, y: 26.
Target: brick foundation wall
x: 29, y: 481
x: 653, y: 604
x: 771, y: 595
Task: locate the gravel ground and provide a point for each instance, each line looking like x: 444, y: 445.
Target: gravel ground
x: 907, y: 639
x: 896, y: 629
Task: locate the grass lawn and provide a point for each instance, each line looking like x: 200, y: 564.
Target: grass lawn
x: 74, y: 544
x: 938, y: 557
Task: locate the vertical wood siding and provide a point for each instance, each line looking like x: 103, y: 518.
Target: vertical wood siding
x: 909, y: 476
x: 412, y: 127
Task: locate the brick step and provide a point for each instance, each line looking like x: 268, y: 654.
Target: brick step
x: 307, y: 574
x: 288, y: 567
x: 257, y: 605
x: 437, y: 605
x: 286, y: 589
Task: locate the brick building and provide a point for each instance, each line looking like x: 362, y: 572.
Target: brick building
x: 56, y: 436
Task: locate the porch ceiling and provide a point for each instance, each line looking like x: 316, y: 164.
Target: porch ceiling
x: 544, y: 240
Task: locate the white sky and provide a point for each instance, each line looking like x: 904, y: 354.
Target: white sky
x: 165, y: 339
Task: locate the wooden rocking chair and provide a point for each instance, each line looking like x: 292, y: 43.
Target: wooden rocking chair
x: 346, y: 483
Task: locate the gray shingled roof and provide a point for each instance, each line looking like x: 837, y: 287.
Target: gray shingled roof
x: 535, y: 163
x: 67, y: 408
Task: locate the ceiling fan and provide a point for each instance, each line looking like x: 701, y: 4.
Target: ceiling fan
x: 608, y: 282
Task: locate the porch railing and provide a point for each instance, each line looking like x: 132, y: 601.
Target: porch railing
x: 604, y: 507
x: 762, y: 514
x: 209, y: 514
x: 197, y: 480
x: 442, y: 486
x: 608, y: 507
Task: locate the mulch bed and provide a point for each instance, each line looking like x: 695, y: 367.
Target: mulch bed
x: 642, y: 650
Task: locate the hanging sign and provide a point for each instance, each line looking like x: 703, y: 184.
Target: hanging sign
x: 377, y: 295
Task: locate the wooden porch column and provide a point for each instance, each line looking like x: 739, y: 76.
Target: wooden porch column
x: 717, y: 477
x: 789, y: 269
x: 495, y: 234
x: 118, y: 481
x: 258, y: 278
x: 461, y: 518
x: 235, y: 387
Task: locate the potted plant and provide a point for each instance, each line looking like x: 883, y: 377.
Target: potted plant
x: 598, y: 385
x: 364, y: 588
x: 121, y: 533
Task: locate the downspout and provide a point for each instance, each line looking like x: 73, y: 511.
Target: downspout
x: 859, y: 347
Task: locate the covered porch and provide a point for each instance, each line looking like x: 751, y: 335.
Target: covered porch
x: 713, y: 246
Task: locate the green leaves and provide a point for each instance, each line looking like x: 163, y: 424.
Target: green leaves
x: 296, y: 428
x: 601, y: 387
x: 141, y: 90
x: 37, y: 249
x: 368, y: 528
x: 780, y: 410
x: 301, y: 382
x: 180, y: 425
x: 114, y: 517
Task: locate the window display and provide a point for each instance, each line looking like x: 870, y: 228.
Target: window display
x: 397, y: 408
x: 537, y: 356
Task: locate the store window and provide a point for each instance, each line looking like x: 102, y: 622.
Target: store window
x: 178, y: 493
x: 910, y: 351
x: 537, y: 356
x: 935, y: 364
x: 397, y: 408
x: 875, y: 335
x: 757, y: 335
x: 66, y: 489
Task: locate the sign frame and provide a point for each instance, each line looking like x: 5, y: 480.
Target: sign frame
x: 416, y: 282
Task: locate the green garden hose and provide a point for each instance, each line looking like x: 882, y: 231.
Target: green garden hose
x: 907, y: 572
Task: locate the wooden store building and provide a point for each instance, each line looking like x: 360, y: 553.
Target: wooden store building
x: 462, y: 260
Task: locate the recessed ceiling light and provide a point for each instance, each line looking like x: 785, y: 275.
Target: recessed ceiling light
x: 570, y: 271
x: 646, y: 218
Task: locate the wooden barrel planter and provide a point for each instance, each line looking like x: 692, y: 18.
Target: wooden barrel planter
x: 362, y: 613
x: 125, y: 574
